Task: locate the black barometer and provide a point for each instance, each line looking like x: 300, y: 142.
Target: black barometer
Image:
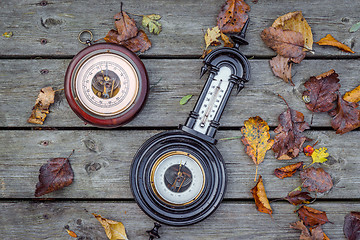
x: 178, y: 177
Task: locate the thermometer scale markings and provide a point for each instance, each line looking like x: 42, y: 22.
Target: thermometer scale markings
x: 216, y: 92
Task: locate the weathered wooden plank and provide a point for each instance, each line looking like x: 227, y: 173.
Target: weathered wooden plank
x: 43, y: 220
x: 102, y: 160
x: 170, y: 81
x: 184, y: 22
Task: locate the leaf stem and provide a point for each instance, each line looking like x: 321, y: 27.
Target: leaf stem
x: 71, y: 153
x: 229, y: 138
x: 256, y: 172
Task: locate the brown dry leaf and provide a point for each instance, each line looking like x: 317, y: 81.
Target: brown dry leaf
x: 295, y: 21
x: 112, y: 37
x: 126, y: 26
x: 290, y: 138
x: 71, y: 233
x: 139, y: 43
x: 42, y: 104
x: 256, y: 138
x: 114, y: 230
x: 353, y: 95
x: 352, y: 226
x: 211, y: 37
x: 315, y: 233
x: 205, y: 52
x: 281, y: 68
x: 346, y: 116
x: 233, y: 16
x: 321, y: 91
x: 261, y: 200
x: 311, y: 216
x: 288, y: 171
x: 331, y: 41
x: 287, y: 43
x: 316, y: 180
x: 298, y: 197
x: 54, y: 175
x: 226, y: 39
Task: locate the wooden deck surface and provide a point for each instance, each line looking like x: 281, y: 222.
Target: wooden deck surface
x: 102, y: 157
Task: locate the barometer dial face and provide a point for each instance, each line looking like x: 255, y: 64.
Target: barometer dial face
x: 177, y: 178
x: 106, y: 85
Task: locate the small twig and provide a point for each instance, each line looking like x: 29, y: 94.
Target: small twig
x: 59, y: 90
x: 99, y: 40
x: 283, y: 100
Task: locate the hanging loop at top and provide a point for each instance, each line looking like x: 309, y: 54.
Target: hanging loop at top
x: 87, y: 41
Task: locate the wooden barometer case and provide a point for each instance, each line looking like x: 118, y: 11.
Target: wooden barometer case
x: 106, y: 84
x: 178, y: 177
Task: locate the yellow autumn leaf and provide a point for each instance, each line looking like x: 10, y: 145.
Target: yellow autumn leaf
x: 295, y: 21
x: 71, y: 233
x: 261, y: 200
x: 41, y: 108
x: 211, y: 36
x: 114, y: 230
x: 319, y: 155
x: 256, y: 138
x: 331, y: 41
x: 353, y: 95
x: 226, y: 39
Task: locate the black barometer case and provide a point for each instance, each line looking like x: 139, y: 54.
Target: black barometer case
x: 178, y: 177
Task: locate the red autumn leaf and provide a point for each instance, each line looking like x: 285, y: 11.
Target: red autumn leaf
x: 345, y: 116
x: 311, y: 216
x: 315, y: 233
x: 261, y: 200
x: 126, y: 26
x: 281, y: 68
x: 286, y: 43
x: 288, y: 171
x: 289, y: 139
x: 298, y: 197
x: 233, y: 16
x: 321, y: 91
x: 54, y: 175
x: 316, y: 180
x: 352, y: 226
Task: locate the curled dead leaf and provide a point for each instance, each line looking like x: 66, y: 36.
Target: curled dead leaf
x: 114, y: 230
x: 331, y: 41
x: 256, y: 138
x: 288, y: 171
x: 261, y: 200
x: 311, y: 216
x: 233, y: 16
x: 281, y: 67
x: 315, y: 233
x: 41, y: 108
x: 316, y: 180
x: 298, y: 197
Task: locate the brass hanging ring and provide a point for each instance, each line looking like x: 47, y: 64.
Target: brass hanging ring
x: 87, y: 41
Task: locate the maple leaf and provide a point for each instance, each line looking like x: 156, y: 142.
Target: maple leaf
x: 261, y: 200
x: 54, y: 175
x: 331, y: 41
x: 353, y: 95
x: 290, y: 137
x: 345, y: 116
x: 288, y: 171
x: 295, y: 21
x: 256, y: 138
x: 114, y: 230
x: 151, y: 22
x: 41, y: 108
x: 319, y: 155
x: 352, y: 226
x: 286, y: 43
x: 311, y: 216
x: 281, y: 68
x: 126, y: 26
x: 233, y: 16
x: 211, y: 37
x: 321, y: 91
x: 316, y: 180
x: 298, y: 197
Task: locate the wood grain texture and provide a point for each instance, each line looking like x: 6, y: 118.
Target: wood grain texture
x: 170, y: 80
x: 236, y: 220
x: 102, y: 160
x: 184, y: 23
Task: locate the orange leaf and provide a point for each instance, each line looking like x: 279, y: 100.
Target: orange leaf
x: 331, y: 41
x: 226, y: 39
x: 311, y: 216
x: 71, y: 233
x: 233, y: 16
x: 261, y: 200
x: 288, y: 171
x: 353, y: 95
x: 256, y: 138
